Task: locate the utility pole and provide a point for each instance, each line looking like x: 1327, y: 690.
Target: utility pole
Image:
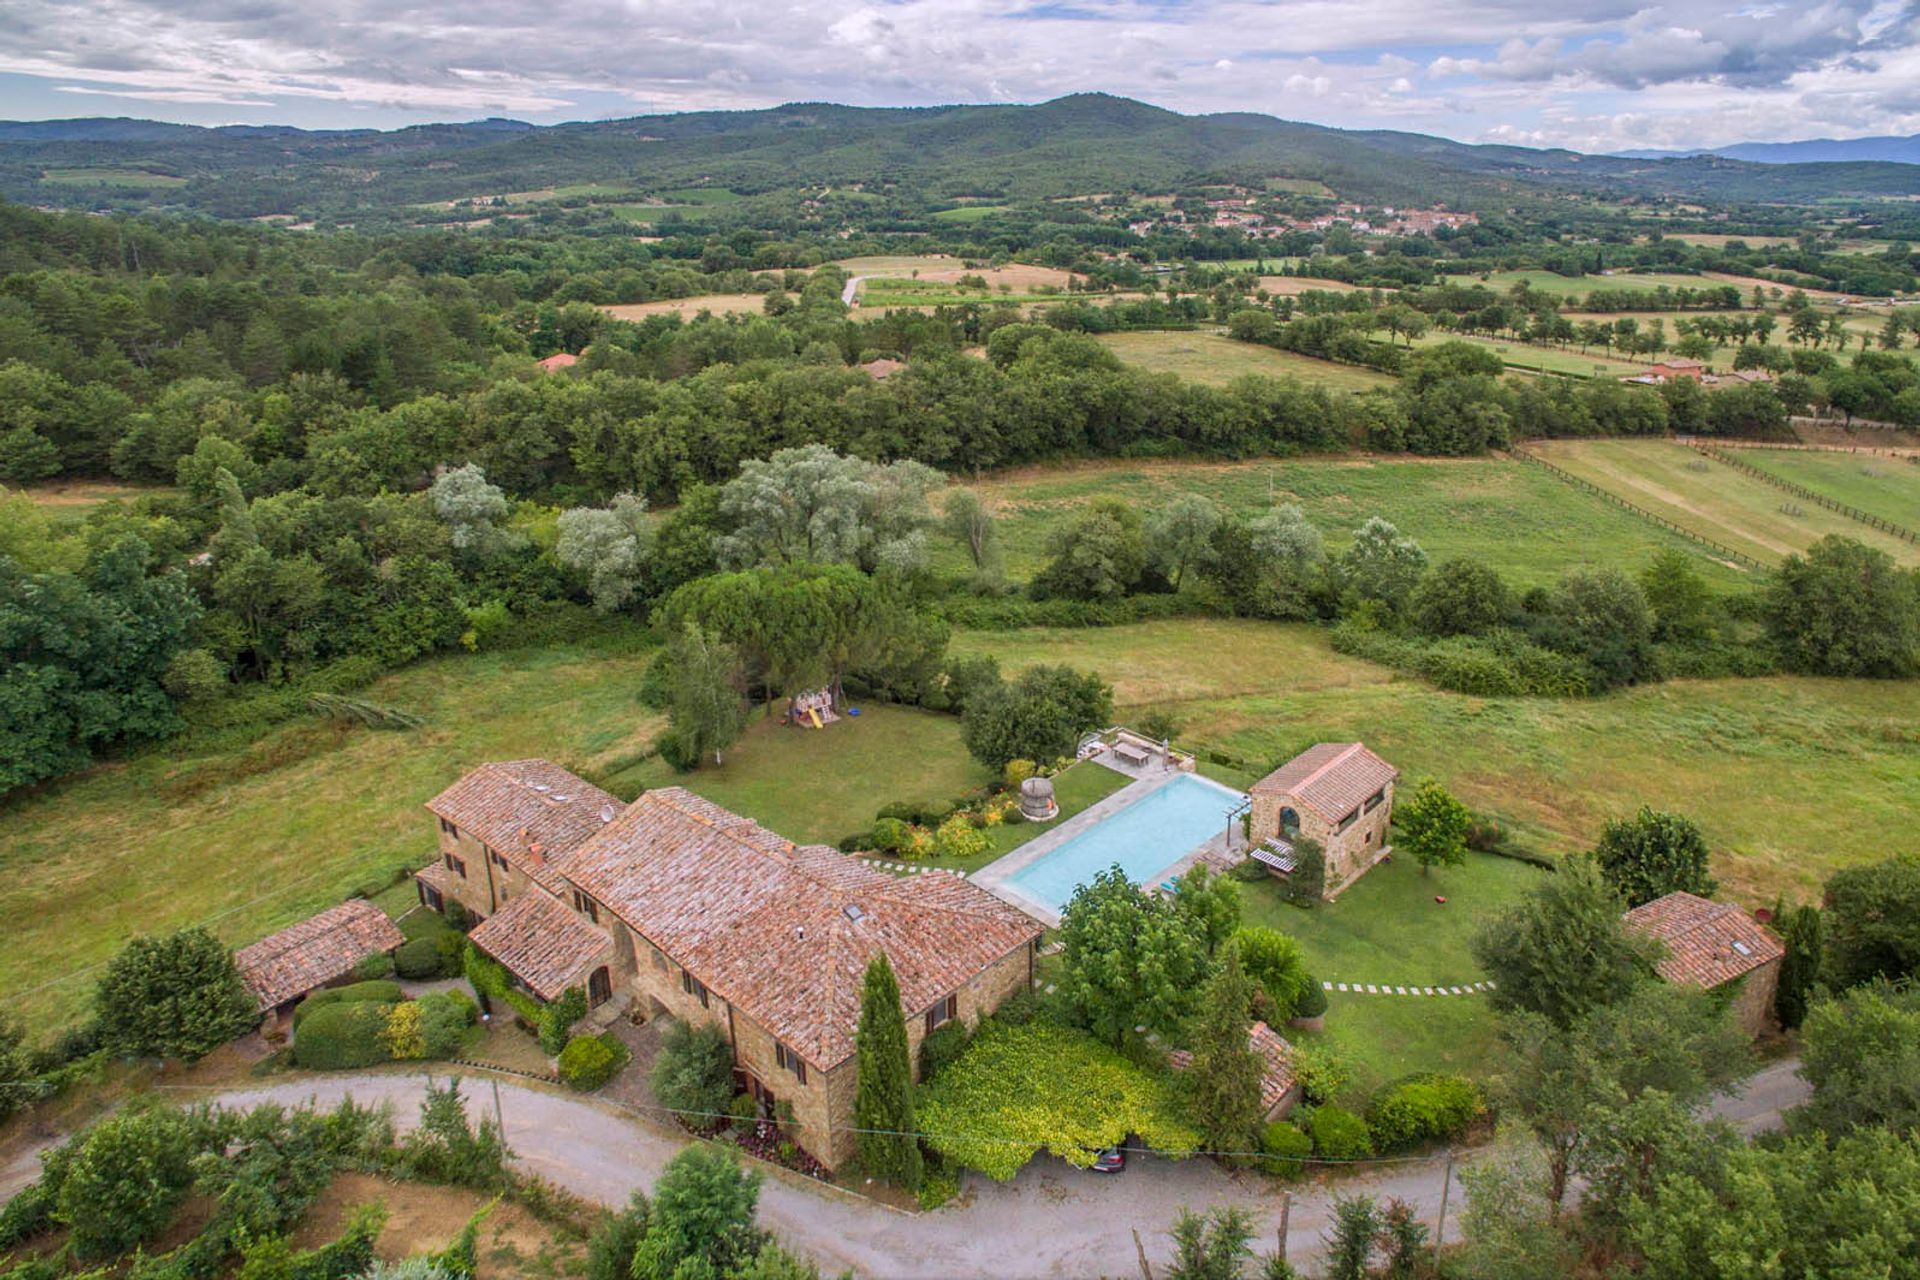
x: 1286, y: 1216
x: 1446, y: 1188
x: 500, y: 1122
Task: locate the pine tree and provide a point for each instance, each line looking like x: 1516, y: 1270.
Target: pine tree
x: 1225, y: 1075
x: 883, y: 1107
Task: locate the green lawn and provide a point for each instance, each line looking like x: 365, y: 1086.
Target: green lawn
x: 1382, y: 1038
x: 821, y: 785
x: 1077, y: 787
x: 1885, y: 487
x: 1531, y: 526
x: 1217, y: 360
x: 1739, y: 756
x: 251, y: 836
x: 1711, y: 498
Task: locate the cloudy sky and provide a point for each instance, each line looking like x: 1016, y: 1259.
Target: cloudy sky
x: 1592, y: 74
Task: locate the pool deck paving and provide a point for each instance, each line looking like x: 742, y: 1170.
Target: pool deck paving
x: 994, y: 876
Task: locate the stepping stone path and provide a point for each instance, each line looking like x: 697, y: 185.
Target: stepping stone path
x: 1368, y: 988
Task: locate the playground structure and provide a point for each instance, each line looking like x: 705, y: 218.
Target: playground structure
x: 812, y: 709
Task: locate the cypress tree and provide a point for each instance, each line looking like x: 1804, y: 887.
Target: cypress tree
x: 883, y: 1108
x: 1801, y: 967
x: 1225, y: 1075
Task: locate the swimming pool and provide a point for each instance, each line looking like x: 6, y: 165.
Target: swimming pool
x: 1145, y: 838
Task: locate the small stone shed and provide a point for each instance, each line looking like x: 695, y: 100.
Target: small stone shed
x: 1279, y: 1086
x: 1337, y: 793
x: 321, y: 950
x: 1715, y: 945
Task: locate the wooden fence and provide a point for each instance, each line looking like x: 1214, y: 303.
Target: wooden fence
x: 1801, y: 491
x: 1739, y: 557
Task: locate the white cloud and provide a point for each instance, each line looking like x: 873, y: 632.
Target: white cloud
x: 1560, y: 72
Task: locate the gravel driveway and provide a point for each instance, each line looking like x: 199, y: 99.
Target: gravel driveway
x: 1050, y: 1221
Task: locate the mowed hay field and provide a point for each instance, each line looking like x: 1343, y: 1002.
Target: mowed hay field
x: 1519, y: 518
x: 1528, y: 355
x: 251, y: 836
x: 1887, y: 487
x: 719, y: 304
x: 1745, y: 758
x: 1552, y: 282
x: 1217, y: 360
x: 1711, y: 498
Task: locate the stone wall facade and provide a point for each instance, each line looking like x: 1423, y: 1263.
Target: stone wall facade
x: 1752, y: 1002
x: 1351, y: 848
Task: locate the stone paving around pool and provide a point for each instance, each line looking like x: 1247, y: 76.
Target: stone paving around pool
x: 994, y: 876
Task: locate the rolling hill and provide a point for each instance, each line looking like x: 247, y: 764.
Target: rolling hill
x: 1069, y: 146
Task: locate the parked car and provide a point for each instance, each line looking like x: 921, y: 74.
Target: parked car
x: 1112, y: 1160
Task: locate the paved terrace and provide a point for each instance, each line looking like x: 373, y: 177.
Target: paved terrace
x: 1146, y: 780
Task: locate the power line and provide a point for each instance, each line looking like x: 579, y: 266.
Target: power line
x: 935, y: 1137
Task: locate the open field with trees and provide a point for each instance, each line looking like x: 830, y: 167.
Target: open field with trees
x: 1740, y: 756
x: 250, y: 831
x: 720, y: 304
x: 1521, y: 520
x: 1533, y: 355
x: 1552, y: 282
x: 1215, y: 360
x: 1886, y: 487
x: 1712, y: 498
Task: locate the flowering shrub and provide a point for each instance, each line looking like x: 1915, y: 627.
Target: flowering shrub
x: 402, y: 1035
x: 1017, y: 772
x: 1020, y: 1090
x: 959, y: 838
x: 765, y: 1141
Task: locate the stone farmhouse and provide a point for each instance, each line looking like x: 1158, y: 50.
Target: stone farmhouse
x: 1718, y: 947
x: 1337, y: 793
x: 678, y: 907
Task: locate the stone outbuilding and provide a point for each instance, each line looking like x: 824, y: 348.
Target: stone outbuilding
x: 1717, y: 947
x: 1280, y: 1087
x: 321, y: 950
x: 1337, y: 793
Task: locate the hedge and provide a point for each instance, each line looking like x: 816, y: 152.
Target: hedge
x: 382, y: 992
x: 590, y: 1061
x: 1423, y: 1108
x: 431, y: 955
x: 1287, y: 1147
x: 1338, y: 1134
x: 338, y: 1036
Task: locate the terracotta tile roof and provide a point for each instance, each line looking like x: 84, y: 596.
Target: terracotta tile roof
x: 785, y: 933
x: 1276, y: 1064
x: 1331, y: 778
x: 559, y: 360
x: 543, y: 942
x: 436, y: 876
x: 318, y: 950
x: 1708, y: 943
x: 533, y: 811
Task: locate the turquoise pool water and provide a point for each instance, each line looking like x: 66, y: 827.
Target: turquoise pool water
x: 1145, y: 838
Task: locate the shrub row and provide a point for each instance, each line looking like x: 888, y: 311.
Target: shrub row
x: 588, y: 1062
x: 1424, y: 1108
x: 1500, y: 664
x: 341, y: 1034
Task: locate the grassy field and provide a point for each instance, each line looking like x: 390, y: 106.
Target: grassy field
x: 1885, y: 487
x: 1519, y: 518
x: 719, y: 304
x: 1739, y: 756
x: 646, y: 214
x: 1711, y: 498
x: 817, y: 786
x: 1388, y: 929
x: 68, y: 502
x: 1217, y: 360
x: 249, y: 837
x: 82, y: 177
x: 1552, y: 282
x: 1528, y: 355
x: 970, y: 212
x: 700, y: 195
